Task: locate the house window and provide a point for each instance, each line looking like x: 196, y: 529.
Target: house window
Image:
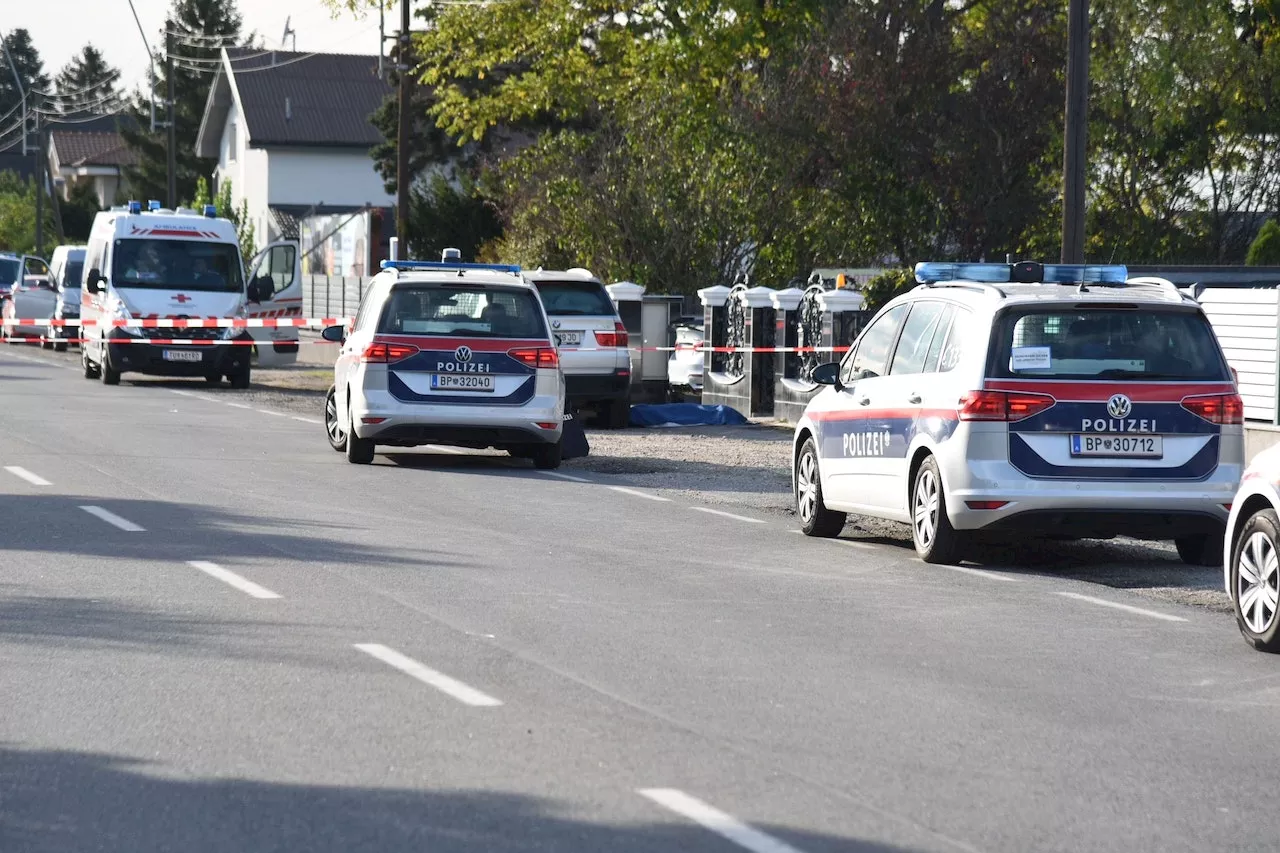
x: 231, y: 141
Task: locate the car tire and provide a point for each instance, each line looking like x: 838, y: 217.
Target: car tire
x: 935, y: 539
x: 815, y: 518
x: 1256, y: 553
x: 90, y: 369
x: 240, y: 379
x: 110, y: 376
x: 336, y: 434
x: 618, y: 415
x: 546, y: 457
x: 359, y: 450
x: 1203, y: 550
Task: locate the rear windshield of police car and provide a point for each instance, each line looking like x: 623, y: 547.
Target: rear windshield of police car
x: 177, y: 264
x: 1101, y: 343
x: 464, y: 312
x: 575, y: 299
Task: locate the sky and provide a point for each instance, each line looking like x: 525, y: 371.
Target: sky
x: 60, y: 28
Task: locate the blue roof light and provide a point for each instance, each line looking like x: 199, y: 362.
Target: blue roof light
x: 135, y: 207
x: 928, y: 273
x: 1077, y: 273
x: 210, y: 211
x: 153, y: 205
x: 1025, y: 272
x: 440, y: 265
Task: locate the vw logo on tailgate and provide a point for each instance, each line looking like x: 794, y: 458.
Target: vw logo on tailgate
x: 1119, y: 406
x: 464, y: 354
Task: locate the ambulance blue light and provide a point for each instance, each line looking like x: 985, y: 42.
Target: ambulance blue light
x: 135, y: 207
x: 210, y: 211
x: 153, y: 205
x: 441, y: 265
x: 1076, y: 273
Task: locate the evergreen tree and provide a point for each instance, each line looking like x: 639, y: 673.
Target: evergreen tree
x: 88, y: 83
x: 203, y: 27
x: 30, y: 69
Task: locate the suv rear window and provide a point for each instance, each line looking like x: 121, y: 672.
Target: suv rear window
x: 469, y: 312
x: 1107, y: 343
x: 575, y: 299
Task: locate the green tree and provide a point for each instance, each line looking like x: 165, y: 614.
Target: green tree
x: 225, y: 205
x: 1265, y: 249
x: 79, y: 210
x: 444, y: 215
x: 88, y: 83
x: 18, y: 214
x: 30, y: 70
x: 203, y: 27
x: 885, y: 286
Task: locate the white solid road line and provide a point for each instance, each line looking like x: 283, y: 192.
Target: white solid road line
x: 307, y: 420
x: 232, y: 579
x: 979, y: 573
x: 848, y: 543
x: 113, y: 519
x: 569, y: 477
x: 463, y: 693
x: 269, y: 412
x: 1125, y: 607
x: 240, y: 406
x: 724, y: 514
x: 183, y: 393
x: 639, y: 494
x: 725, y: 825
x: 24, y: 474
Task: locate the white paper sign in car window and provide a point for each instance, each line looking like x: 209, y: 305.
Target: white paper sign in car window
x: 1030, y: 358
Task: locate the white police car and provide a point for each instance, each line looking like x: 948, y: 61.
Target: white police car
x: 447, y: 353
x: 1027, y: 400
x: 1251, y: 552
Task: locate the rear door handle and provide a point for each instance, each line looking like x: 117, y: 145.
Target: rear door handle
x: 913, y: 399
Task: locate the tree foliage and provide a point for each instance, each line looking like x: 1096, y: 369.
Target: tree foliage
x: 18, y: 214
x: 88, y: 83
x: 30, y: 70
x: 239, y: 216
x: 1265, y: 250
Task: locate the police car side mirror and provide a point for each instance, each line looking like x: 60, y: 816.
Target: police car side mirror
x: 827, y: 374
x: 334, y: 334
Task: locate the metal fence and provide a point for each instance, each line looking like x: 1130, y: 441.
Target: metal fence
x: 332, y: 295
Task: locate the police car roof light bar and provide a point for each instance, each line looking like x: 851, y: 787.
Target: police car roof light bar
x: 135, y: 207
x: 1025, y: 272
x: 442, y: 265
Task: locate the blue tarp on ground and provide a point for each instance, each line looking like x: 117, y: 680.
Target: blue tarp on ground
x: 684, y: 414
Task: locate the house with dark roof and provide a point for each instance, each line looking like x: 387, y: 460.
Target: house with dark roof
x: 292, y: 133
x: 93, y: 151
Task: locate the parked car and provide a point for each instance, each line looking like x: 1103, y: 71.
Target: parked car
x: 684, y: 367
x: 592, y: 341
x: 447, y: 353
x: 1023, y: 400
x: 1251, y: 552
x: 14, y: 268
x: 32, y: 297
x: 66, y: 269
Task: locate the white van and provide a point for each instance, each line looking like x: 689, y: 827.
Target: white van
x: 161, y: 264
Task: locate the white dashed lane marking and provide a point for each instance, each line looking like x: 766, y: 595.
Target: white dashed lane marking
x: 724, y: 514
x: 308, y: 420
x: 464, y: 693
x: 114, y: 520
x: 725, y: 825
x: 639, y: 494
x: 559, y: 476
x: 232, y: 579
x: 1137, y: 611
x: 24, y: 474
x: 979, y: 573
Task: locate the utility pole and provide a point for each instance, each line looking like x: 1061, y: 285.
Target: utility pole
x: 1076, y: 132
x: 39, y: 176
x: 172, y: 128
x: 405, y: 67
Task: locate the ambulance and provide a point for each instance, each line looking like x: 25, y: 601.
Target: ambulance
x: 159, y: 264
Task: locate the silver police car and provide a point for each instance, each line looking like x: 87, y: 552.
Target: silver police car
x: 447, y: 353
x: 1029, y: 400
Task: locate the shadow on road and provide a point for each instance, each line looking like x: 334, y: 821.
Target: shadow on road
x: 63, y: 802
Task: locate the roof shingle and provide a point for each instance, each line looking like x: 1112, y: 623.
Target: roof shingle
x: 93, y: 148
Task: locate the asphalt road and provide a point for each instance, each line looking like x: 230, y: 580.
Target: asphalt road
x: 216, y: 635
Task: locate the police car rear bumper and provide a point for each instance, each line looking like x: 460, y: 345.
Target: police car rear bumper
x: 479, y: 436
x: 150, y: 358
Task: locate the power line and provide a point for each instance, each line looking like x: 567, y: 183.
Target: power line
x: 110, y: 78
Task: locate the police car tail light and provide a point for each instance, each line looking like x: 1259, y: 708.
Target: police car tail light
x: 617, y: 338
x: 1217, y: 408
x: 1007, y: 406
x: 536, y: 356
x: 384, y: 353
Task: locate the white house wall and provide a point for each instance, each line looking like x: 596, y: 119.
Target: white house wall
x: 1244, y: 320
x: 339, y: 176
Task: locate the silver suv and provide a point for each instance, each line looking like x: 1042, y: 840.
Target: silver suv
x: 592, y: 340
x: 447, y: 353
x: 1027, y: 400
